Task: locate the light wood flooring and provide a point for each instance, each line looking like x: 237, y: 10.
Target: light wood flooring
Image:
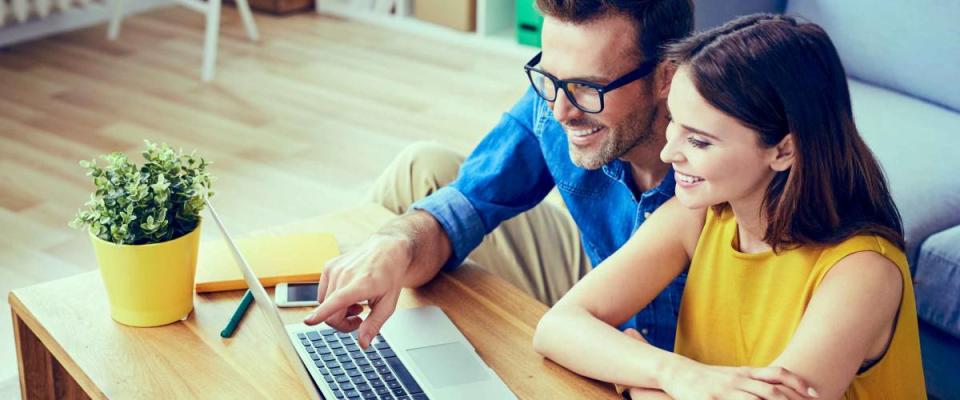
x: 297, y: 125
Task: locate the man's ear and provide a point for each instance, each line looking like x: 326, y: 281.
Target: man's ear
x: 786, y: 154
x: 664, y: 76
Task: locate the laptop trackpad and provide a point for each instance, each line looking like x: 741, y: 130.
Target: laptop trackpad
x: 449, y: 364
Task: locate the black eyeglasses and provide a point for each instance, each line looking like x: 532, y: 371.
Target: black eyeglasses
x: 585, y: 95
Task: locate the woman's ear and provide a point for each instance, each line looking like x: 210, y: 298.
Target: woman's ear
x: 786, y: 152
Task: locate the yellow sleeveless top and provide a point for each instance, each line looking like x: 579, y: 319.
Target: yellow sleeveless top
x: 742, y: 309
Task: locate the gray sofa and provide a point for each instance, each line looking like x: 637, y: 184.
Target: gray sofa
x: 903, y: 63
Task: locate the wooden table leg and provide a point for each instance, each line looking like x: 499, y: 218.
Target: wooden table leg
x: 41, y: 375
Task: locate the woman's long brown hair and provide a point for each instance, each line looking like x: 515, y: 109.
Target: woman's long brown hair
x: 778, y: 76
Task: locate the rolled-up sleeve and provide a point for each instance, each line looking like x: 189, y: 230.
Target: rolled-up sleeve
x: 504, y: 176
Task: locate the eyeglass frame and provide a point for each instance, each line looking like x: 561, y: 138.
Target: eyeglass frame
x: 644, y: 69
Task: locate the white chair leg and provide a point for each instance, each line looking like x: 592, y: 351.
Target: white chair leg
x: 247, y: 17
x: 113, y: 30
x: 210, y: 43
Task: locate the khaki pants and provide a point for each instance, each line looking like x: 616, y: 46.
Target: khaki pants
x: 538, y: 251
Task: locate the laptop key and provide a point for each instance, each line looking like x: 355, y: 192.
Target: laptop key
x: 344, y: 358
x: 345, y: 386
x: 328, y: 332
x: 328, y: 357
x: 352, y: 348
x: 403, y: 375
x: 381, y: 391
x: 388, y: 377
x: 338, y: 394
x: 382, y: 345
x: 378, y: 362
x: 301, y: 336
x: 329, y: 378
x: 368, y: 395
x: 393, y: 385
x: 372, y: 376
x: 337, y: 371
x: 353, y: 372
x: 383, y: 370
x: 358, y: 380
x: 398, y: 392
x: 324, y: 350
x: 314, y: 356
x: 420, y: 396
x: 341, y: 378
x: 373, y: 356
x: 348, y: 365
x: 377, y: 383
x: 387, y: 353
x: 340, y: 352
x: 362, y: 362
x: 312, y: 335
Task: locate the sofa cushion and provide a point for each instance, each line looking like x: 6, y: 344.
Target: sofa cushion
x: 909, y: 46
x: 937, y: 281
x: 918, y: 145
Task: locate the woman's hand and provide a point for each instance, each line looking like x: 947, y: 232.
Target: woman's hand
x: 698, y: 381
x: 695, y: 381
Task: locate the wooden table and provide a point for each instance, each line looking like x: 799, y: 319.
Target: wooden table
x: 68, y: 347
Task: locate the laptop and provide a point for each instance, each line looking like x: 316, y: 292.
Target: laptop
x: 418, y: 355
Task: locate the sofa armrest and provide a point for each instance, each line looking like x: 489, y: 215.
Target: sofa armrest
x: 712, y: 13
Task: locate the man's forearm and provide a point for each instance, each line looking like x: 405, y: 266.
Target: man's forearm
x: 427, y: 242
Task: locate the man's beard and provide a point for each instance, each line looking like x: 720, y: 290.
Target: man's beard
x: 636, y: 129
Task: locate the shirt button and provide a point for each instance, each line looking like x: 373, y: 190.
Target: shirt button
x: 644, y: 331
x: 646, y: 215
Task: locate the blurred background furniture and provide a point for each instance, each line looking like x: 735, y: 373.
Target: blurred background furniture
x: 903, y: 64
x: 211, y: 11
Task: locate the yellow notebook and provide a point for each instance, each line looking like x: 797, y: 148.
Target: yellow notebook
x: 275, y: 259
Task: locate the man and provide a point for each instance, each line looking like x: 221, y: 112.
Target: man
x: 592, y: 125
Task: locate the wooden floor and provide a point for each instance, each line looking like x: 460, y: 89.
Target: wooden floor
x: 297, y: 125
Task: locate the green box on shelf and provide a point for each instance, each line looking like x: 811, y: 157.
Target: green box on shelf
x: 529, y: 22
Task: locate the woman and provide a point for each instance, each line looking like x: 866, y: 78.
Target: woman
x: 797, y: 284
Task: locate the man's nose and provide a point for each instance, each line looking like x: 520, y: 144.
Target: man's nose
x: 563, y: 108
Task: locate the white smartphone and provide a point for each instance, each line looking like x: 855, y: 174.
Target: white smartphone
x: 296, y: 294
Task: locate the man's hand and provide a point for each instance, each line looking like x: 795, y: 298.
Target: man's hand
x: 373, y: 272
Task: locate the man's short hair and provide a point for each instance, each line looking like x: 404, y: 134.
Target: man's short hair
x: 657, y: 22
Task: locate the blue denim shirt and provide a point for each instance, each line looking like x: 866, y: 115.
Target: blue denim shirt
x: 516, y: 165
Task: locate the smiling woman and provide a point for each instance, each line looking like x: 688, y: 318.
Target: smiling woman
x: 797, y: 285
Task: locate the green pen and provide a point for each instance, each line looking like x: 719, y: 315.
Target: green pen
x: 238, y: 315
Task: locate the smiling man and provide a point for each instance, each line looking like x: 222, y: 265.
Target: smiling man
x: 592, y: 125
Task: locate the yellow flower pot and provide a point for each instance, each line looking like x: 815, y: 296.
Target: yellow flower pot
x: 150, y: 284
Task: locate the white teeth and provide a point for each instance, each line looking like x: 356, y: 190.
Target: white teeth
x: 585, y: 132
x: 688, y: 178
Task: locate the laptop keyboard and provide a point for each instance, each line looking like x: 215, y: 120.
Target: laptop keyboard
x: 354, y: 373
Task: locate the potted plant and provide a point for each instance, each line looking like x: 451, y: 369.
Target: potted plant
x: 144, y: 223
